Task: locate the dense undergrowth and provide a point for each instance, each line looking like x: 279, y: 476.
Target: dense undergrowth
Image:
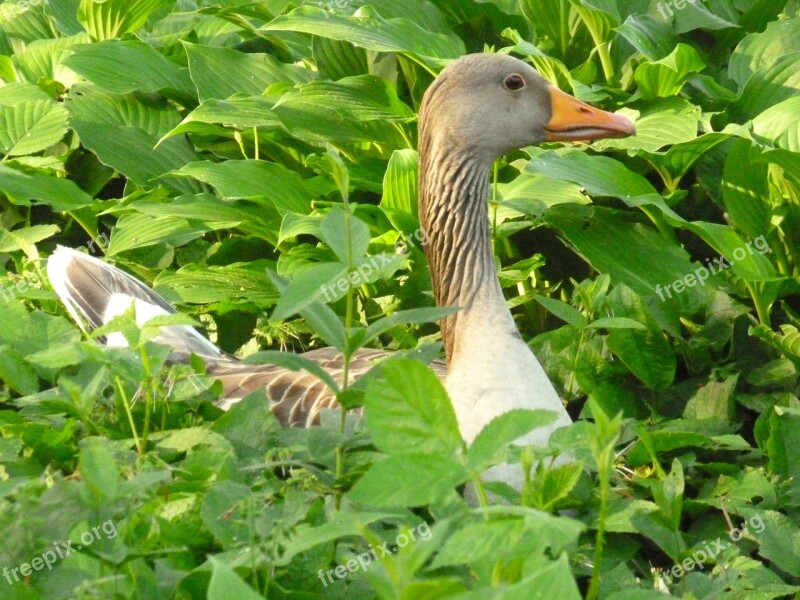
x: 242, y: 156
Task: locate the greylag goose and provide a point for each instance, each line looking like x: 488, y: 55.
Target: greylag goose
x: 480, y: 107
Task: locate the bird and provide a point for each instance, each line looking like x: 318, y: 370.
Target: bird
x: 479, y: 108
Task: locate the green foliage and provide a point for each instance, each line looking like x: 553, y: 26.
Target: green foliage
x: 255, y: 163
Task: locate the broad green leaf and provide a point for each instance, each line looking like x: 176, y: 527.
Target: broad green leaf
x: 225, y: 584
x: 140, y: 231
x: 408, y: 411
x: 347, y: 235
x: 108, y: 19
x: 99, y: 470
x: 253, y: 180
x: 25, y: 238
x: 308, y: 287
x: 769, y: 86
x: 200, y: 284
x: 123, y: 130
x: 15, y: 371
x: 713, y: 400
x: 371, y: 31
x: 673, y: 164
x: 779, y: 539
x: 122, y: 67
x: 44, y: 59
x: 213, y: 116
x: 222, y: 72
x: 336, y: 59
x: 533, y: 193
x: 647, y: 353
x: 488, y: 448
x: 551, y: 21
x: 399, y: 201
x: 607, y: 239
x: 759, y: 51
x: 58, y: 193
x: 778, y: 127
x: 649, y: 35
x: 30, y: 127
x: 408, y: 479
x: 665, y: 77
x: 659, y: 123
x: 698, y: 16
x: 745, y: 190
x: 616, y: 323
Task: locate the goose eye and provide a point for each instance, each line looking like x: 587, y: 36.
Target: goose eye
x: 514, y: 82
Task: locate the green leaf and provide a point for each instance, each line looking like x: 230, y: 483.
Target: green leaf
x: 408, y: 480
x: 488, y: 448
x: 760, y: 51
x: 616, y: 323
x: 307, y: 287
x: 347, y: 235
x: 222, y: 72
x: 204, y: 284
x: 122, y: 67
x: 30, y: 127
x: 412, y: 316
x: 408, y: 411
x: 225, y: 584
x: 99, y: 470
x: 371, y: 31
x: 25, y: 239
x: 58, y: 193
x: 665, y: 77
x: 16, y: 373
x: 140, y: 231
x: 107, y: 19
x: 769, y: 86
x: 399, y: 201
x: 565, y: 312
x: 256, y: 180
x: 213, y: 116
x: 777, y: 126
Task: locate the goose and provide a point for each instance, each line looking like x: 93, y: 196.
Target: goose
x: 480, y: 107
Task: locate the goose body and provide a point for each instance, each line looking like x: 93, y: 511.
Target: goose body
x: 480, y: 107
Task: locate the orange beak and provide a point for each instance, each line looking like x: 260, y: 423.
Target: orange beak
x: 573, y: 120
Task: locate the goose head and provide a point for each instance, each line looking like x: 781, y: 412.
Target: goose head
x: 485, y: 105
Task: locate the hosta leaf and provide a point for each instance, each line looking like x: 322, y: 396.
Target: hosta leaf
x: 255, y: 180
x: 108, y: 19
x: 58, y: 193
x: 140, y: 231
x: 673, y: 164
x: 223, y: 72
x: 123, y: 131
x: 778, y: 127
x: 337, y: 59
x: 44, y: 59
x: 399, y: 201
x: 25, y: 239
x: 760, y: 51
x: 787, y: 342
x: 236, y: 113
x: 697, y: 16
x: 745, y: 189
x: 128, y: 66
x: 665, y: 77
x: 649, y: 35
x: 488, y: 448
x: 199, y: 284
x: 371, y: 31
x: 769, y: 86
x: 661, y: 122
x: 30, y: 127
x: 607, y: 239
